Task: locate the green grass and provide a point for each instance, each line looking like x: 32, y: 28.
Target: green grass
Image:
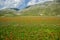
x: 30, y: 31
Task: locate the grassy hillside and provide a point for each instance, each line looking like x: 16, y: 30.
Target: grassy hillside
x: 7, y: 12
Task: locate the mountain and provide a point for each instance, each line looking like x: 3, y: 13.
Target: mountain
x: 15, y: 9
x: 20, y: 4
x: 43, y: 9
x: 7, y: 12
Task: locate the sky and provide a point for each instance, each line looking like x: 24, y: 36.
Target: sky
x: 20, y: 4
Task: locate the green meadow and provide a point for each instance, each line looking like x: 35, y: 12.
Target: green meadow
x: 30, y: 28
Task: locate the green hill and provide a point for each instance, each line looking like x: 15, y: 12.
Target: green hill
x: 8, y: 12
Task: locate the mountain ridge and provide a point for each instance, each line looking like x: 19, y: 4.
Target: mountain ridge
x: 46, y: 9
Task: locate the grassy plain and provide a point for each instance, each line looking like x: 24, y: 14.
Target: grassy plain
x: 30, y: 28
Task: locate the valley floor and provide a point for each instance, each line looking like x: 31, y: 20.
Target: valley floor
x: 30, y: 28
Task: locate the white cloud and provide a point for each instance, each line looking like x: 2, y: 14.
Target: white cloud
x: 32, y: 2
x: 10, y: 3
x: 17, y: 2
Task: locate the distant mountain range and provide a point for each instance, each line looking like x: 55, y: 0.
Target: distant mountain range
x: 48, y: 8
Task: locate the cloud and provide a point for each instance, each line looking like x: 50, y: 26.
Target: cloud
x: 33, y: 2
x: 12, y: 3
x: 9, y: 3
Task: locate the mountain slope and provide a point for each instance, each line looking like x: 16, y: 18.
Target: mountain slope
x: 7, y: 12
x: 45, y: 9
